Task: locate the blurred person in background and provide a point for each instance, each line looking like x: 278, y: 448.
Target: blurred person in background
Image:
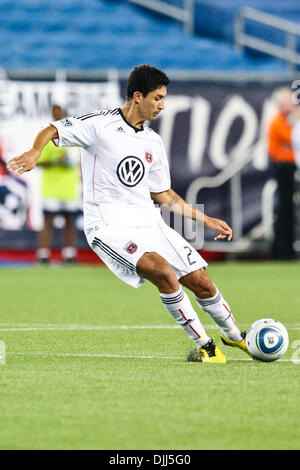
x: 282, y: 157
x: 60, y: 194
x: 296, y: 137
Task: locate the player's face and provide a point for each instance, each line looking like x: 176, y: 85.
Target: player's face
x: 153, y: 103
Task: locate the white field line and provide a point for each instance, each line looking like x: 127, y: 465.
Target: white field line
x: 75, y: 327
x: 91, y: 327
x: 123, y: 356
x: 64, y: 327
x: 57, y: 327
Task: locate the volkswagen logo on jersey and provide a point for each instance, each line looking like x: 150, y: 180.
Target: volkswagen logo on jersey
x: 130, y: 171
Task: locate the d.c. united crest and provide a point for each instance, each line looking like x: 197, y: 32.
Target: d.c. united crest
x: 148, y: 156
x: 131, y: 247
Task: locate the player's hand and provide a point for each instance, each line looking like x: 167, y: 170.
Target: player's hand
x: 24, y: 162
x: 219, y: 226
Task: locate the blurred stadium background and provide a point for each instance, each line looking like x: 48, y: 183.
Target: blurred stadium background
x: 224, y: 60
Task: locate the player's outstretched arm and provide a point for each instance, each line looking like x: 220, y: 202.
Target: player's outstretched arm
x: 178, y: 205
x: 28, y: 160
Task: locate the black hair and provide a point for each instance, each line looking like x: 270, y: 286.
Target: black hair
x: 145, y: 78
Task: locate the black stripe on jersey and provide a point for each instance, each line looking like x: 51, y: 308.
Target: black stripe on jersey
x: 113, y: 254
x: 83, y: 117
x: 88, y: 117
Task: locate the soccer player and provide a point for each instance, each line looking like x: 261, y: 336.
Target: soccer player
x: 125, y: 173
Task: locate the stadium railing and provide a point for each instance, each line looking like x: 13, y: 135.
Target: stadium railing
x: 185, y: 15
x: 232, y: 174
x: 287, y: 53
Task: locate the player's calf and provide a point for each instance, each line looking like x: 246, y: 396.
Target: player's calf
x: 220, y: 312
x: 212, y: 302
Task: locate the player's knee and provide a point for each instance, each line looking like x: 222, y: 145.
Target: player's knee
x: 200, y: 283
x: 158, y: 271
x: 164, y: 276
x: 167, y: 274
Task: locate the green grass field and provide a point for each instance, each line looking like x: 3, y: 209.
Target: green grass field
x: 92, y: 363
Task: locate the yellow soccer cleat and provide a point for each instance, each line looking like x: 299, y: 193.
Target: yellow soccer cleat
x: 237, y: 344
x: 208, y: 353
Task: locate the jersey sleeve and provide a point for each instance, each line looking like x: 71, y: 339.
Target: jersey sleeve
x: 159, y: 174
x: 74, y: 132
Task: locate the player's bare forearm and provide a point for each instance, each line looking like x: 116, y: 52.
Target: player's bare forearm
x: 28, y: 160
x: 178, y: 205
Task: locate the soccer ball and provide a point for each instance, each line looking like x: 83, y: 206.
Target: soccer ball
x: 267, y: 339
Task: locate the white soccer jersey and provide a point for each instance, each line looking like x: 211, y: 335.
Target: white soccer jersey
x: 121, y: 165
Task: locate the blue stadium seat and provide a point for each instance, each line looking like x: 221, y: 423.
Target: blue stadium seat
x: 215, y: 18
x: 96, y: 34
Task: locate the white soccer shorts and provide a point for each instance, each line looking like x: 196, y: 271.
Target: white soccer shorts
x: 121, y: 248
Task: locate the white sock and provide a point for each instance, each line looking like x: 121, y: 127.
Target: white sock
x: 43, y: 253
x: 220, y: 312
x: 69, y: 252
x: 179, y: 306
